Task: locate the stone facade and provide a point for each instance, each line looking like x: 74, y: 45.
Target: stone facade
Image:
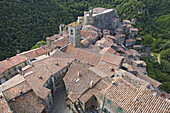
x: 11, y: 72
x: 74, y: 30
x: 106, y: 19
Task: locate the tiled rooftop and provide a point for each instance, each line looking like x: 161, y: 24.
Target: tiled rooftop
x: 134, y: 52
x: 14, y: 81
x: 105, y: 43
x: 107, y: 50
x: 83, y: 56
x: 27, y: 103
x: 4, y: 107
x: 90, y: 27
x: 55, y: 37
x: 17, y: 90
x: 87, y: 32
x: 79, y: 84
x: 100, y: 85
x: 35, y: 52
x: 135, y: 100
x: 132, y: 79
x: 133, y: 29
x: 61, y: 42
x: 127, y: 21
x: 112, y: 59
x: 45, y: 68
x: 118, y: 29
x: 11, y: 62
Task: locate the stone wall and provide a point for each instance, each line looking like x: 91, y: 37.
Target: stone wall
x: 104, y: 20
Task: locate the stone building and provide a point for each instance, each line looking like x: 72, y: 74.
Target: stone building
x: 133, y: 32
x: 19, y: 97
x: 11, y: 66
x: 134, y: 100
x: 74, y: 30
x: 101, y: 18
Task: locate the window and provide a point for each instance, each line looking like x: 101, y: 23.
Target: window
x: 119, y: 110
x: 9, y: 72
x: 108, y: 101
x: 55, y: 78
x: 49, y: 96
x: 47, y: 82
x: 104, y: 110
x: 25, y: 63
x: 15, y: 69
x: 117, y: 75
x: 50, y: 102
x: 71, y: 32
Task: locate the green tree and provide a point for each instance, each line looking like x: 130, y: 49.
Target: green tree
x: 148, y: 40
x: 40, y: 43
x: 165, y: 55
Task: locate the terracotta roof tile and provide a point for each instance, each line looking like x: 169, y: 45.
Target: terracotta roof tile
x: 61, y: 42
x: 135, y: 100
x: 134, y: 52
x: 16, y: 91
x: 14, y: 81
x: 27, y: 103
x: 55, y: 37
x: 87, y: 32
x: 95, y: 91
x: 118, y: 30
x: 45, y: 68
x: 4, y: 107
x: 112, y: 59
x: 133, y: 29
x: 11, y: 62
x: 107, y: 50
x: 83, y: 56
x: 35, y: 52
x: 90, y: 27
x: 79, y: 84
x: 127, y: 21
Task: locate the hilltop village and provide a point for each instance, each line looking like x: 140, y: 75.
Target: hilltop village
x: 97, y: 61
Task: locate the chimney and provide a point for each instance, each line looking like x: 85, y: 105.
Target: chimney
x: 57, y: 64
x: 40, y: 77
x: 78, y: 74
x: 111, y: 69
x: 113, y: 83
x: 91, y: 83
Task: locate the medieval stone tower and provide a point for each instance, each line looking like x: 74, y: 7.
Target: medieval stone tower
x: 74, y: 30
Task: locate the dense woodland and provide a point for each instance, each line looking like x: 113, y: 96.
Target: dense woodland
x: 23, y: 23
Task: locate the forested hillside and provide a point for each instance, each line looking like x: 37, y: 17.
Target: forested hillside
x: 23, y: 24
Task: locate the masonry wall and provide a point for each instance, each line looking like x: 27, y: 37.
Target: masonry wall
x: 111, y: 107
x: 14, y: 70
x: 102, y: 21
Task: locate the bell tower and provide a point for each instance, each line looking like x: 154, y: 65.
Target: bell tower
x: 74, y: 30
